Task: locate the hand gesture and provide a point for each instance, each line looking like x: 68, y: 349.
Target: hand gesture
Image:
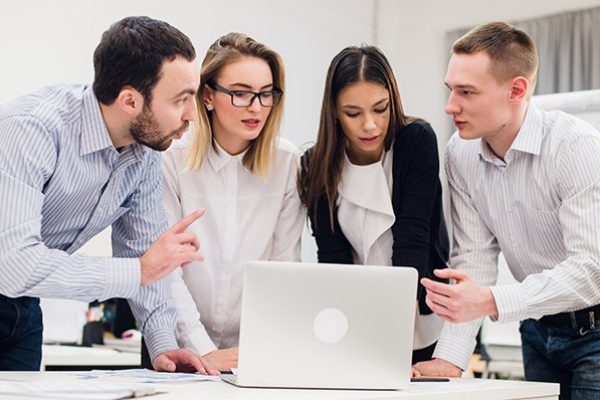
x: 174, y: 248
x: 462, y: 302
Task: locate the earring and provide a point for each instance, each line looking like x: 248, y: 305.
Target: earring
x: 209, y: 107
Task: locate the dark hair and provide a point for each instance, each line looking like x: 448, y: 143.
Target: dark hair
x: 322, y: 169
x: 131, y: 53
x: 511, y: 50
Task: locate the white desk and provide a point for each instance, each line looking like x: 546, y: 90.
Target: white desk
x: 71, y: 357
x: 455, y: 390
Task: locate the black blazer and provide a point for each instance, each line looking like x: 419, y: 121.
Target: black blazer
x: 419, y: 232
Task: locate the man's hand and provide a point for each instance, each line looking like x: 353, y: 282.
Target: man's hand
x: 173, y: 248
x: 438, y: 367
x: 182, y: 360
x: 462, y: 302
x: 223, y: 360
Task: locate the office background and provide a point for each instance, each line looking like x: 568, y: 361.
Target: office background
x: 46, y: 42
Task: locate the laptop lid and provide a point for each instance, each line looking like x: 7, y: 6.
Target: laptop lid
x: 326, y: 326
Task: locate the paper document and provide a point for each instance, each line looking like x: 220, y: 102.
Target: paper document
x: 143, y: 376
x: 74, y: 390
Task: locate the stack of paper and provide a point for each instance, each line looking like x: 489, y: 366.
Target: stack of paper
x: 143, y: 376
x: 74, y: 390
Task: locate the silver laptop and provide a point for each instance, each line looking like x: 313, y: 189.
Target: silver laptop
x: 326, y: 326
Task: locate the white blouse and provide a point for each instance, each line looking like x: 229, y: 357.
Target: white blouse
x: 247, y: 218
x: 366, y: 216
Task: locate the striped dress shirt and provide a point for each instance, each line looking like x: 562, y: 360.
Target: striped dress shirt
x: 540, y: 207
x: 61, y: 182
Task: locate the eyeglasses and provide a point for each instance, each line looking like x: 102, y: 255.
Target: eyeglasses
x: 245, y: 98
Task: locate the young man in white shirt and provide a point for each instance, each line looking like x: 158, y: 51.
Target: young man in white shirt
x: 527, y: 183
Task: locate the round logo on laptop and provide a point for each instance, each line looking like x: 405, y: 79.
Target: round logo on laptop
x: 330, y: 325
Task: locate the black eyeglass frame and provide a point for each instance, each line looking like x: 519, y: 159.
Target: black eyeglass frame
x: 277, y: 94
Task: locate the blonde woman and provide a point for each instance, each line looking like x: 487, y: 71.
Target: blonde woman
x: 235, y: 167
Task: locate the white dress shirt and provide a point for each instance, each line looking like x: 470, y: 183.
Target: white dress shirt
x: 247, y: 218
x: 540, y: 207
x: 366, y: 216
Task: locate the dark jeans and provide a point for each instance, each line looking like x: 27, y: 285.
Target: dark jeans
x: 566, y: 355
x: 146, y: 361
x: 20, y: 334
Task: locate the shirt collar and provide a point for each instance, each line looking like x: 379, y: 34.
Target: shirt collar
x: 139, y: 150
x: 485, y: 153
x: 368, y: 186
x: 95, y: 136
x: 219, y: 158
x: 528, y: 139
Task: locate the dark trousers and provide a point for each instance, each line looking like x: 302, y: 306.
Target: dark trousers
x: 146, y: 361
x: 20, y: 334
x: 569, y: 355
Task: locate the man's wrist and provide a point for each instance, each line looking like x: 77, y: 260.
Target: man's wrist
x: 490, y: 304
x: 142, y: 265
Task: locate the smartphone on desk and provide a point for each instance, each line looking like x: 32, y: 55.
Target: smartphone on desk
x: 430, y: 379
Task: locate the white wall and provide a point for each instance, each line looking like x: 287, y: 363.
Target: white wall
x: 44, y: 42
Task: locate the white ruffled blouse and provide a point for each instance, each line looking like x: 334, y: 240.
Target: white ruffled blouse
x: 366, y: 216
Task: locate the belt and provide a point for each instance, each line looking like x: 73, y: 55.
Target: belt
x: 18, y: 300
x: 584, y: 319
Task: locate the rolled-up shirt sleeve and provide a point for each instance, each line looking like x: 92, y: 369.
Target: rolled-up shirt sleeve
x: 132, y: 235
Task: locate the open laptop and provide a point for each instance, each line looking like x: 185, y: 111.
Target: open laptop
x: 326, y: 326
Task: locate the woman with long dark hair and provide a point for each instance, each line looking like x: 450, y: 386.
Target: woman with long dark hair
x: 370, y: 183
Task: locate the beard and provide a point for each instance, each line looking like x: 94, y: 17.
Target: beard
x: 146, y: 131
